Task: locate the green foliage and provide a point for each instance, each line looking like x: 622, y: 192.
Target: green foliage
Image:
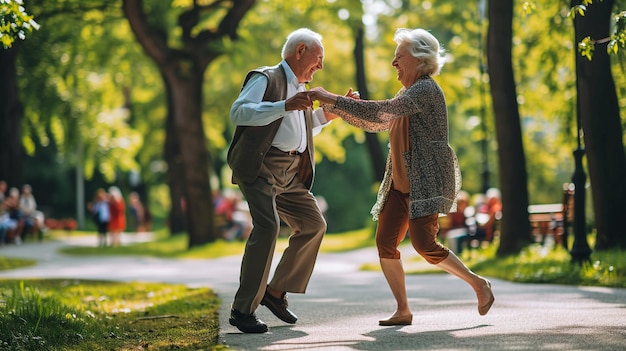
x: 586, y: 47
x: 15, y: 23
x: 94, y: 315
x: 91, y: 99
x: 85, y: 67
x: 615, y: 41
x: 85, y: 105
x: 529, y: 7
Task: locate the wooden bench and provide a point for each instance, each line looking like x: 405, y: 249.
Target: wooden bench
x: 552, y: 220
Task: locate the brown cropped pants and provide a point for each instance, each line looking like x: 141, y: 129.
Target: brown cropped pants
x: 393, y: 223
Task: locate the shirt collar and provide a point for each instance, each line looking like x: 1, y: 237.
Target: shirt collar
x: 291, y: 77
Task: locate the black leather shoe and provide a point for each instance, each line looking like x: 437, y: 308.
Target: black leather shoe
x: 247, y: 323
x: 278, y: 306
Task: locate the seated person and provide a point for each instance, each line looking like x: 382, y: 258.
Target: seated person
x: 458, y: 219
x: 494, y: 212
x: 11, y: 206
x: 33, y: 219
x: 232, y: 219
x: 456, y: 229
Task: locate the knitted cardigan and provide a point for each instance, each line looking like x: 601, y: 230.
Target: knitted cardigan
x: 431, y: 164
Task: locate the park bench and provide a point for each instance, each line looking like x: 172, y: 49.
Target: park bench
x: 546, y: 220
x: 552, y: 220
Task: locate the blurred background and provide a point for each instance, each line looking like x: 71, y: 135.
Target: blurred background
x: 136, y: 94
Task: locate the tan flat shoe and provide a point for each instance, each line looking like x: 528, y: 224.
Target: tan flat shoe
x: 399, y: 320
x: 482, y: 310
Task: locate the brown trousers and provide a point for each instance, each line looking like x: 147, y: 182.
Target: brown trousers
x: 278, y: 193
x: 393, y: 223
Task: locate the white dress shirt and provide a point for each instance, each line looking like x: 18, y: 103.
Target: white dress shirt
x: 249, y: 110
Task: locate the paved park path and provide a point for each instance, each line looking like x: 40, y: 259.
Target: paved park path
x: 342, y: 306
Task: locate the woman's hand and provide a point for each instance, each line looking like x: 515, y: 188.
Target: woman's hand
x: 353, y: 94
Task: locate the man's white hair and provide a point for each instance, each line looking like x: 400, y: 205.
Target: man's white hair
x: 423, y: 45
x: 300, y: 36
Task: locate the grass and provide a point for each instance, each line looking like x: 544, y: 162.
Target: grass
x: 538, y: 264
x: 13, y: 263
x: 176, y: 246
x: 535, y: 264
x: 99, y: 315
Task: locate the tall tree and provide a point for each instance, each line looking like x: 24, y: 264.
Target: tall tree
x: 600, y: 116
x: 182, y: 69
x: 515, y: 226
x: 14, y: 24
x: 11, y: 114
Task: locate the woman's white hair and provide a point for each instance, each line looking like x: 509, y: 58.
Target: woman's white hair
x: 115, y: 192
x: 423, y: 45
x: 302, y: 35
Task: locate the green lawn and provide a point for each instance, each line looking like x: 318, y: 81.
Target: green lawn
x: 537, y: 264
x: 176, y: 246
x: 98, y: 315
x: 12, y: 263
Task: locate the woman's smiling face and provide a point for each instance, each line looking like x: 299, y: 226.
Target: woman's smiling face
x: 407, y: 66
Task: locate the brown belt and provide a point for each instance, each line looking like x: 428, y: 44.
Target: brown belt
x: 290, y: 153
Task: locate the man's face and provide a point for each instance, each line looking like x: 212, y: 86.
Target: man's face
x: 308, y: 61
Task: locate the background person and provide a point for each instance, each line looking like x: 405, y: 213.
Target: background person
x: 271, y: 156
x: 137, y: 212
x: 3, y: 190
x: 117, y: 212
x: 12, y: 207
x: 101, y: 215
x: 422, y: 176
x: 33, y: 219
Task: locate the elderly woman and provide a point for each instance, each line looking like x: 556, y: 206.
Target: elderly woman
x: 422, y: 176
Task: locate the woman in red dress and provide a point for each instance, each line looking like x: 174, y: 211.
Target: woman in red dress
x: 117, y: 207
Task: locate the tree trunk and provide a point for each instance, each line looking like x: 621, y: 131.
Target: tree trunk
x: 600, y: 117
x: 11, y: 115
x: 515, y: 227
x: 183, y: 76
x: 175, y: 170
x: 195, y: 158
x: 371, y: 139
x: 183, y: 72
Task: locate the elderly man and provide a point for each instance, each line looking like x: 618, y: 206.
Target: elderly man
x: 271, y: 156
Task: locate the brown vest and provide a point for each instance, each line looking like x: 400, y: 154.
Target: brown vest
x: 250, y: 143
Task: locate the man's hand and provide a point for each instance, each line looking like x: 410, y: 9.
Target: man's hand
x: 300, y: 101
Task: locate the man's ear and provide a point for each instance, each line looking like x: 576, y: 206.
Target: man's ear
x: 300, y: 50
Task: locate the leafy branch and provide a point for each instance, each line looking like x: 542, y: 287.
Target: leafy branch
x: 15, y: 23
x: 615, y: 41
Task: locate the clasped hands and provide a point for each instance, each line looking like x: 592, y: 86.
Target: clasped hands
x: 304, y: 100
